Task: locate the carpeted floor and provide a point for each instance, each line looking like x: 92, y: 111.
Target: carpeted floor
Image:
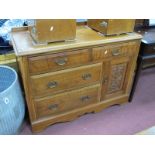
x: 116, y: 120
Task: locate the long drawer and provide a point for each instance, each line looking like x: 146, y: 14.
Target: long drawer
x: 67, y: 101
x: 56, y: 82
x: 52, y: 62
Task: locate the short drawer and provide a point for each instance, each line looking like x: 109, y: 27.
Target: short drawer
x: 148, y: 62
x: 52, y: 62
x: 149, y: 50
x: 122, y: 49
x: 60, y: 81
x: 64, y: 102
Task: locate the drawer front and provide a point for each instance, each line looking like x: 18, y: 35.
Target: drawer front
x: 41, y: 64
x: 67, y: 79
x: 67, y: 101
x: 117, y: 50
x: 149, y: 50
x: 148, y: 62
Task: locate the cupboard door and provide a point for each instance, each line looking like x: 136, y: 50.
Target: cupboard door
x: 117, y: 77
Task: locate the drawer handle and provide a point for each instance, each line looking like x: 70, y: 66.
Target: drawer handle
x: 86, y: 76
x: 53, y: 107
x: 116, y: 52
x: 103, y: 24
x: 61, y: 61
x: 52, y: 84
x: 85, y: 98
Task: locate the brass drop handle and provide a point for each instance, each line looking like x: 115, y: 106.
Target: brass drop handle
x: 85, y: 98
x: 86, y: 76
x: 103, y: 24
x: 116, y: 52
x: 61, y: 61
x: 53, y: 107
x: 52, y: 84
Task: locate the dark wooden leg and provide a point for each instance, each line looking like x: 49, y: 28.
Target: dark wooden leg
x: 137, y: 74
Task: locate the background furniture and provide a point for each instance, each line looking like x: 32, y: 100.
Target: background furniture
x: 65, y: 80
x: 146, y: 56
x: 7, y: 56
x: 141, y: 23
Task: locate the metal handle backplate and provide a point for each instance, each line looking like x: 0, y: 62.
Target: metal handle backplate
x: 53, y: 107
x: 85, y: 98
x: 52, y: 84
x: 116, y: 52
x: 104, y: 24
x: 86, y: 76
x: 61, y: 61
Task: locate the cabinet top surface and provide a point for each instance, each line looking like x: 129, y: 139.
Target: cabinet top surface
x: 23, y: 43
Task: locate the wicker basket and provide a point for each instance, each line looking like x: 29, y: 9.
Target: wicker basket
x: 12, y: 109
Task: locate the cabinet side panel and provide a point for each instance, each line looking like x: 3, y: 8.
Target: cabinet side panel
x: 23, y: 66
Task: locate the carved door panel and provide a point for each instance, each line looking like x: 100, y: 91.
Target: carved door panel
x: 117, y: 77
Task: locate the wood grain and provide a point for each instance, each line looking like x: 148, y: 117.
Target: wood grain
x: 52, y: 62
x: 63, y: 102
x: 63, y: 81
x: 112, y: 26
x: 52, y: 30
x: 41, y: 124
x: 85, y: 37
x: 113, y: 50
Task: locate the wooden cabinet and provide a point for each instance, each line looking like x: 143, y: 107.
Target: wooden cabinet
x: 63, y: 81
